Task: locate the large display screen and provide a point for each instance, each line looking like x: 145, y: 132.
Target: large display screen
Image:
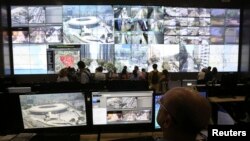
x: 53, y: 110
x: 122, y: 107
x: 176, y: 38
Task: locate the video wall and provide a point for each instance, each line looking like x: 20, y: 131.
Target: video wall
x: 48, y: 38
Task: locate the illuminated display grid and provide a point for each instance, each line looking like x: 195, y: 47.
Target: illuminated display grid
x: 175, y: 38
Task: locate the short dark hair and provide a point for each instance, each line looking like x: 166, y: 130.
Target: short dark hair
x: 81, y: 65
x: 99, y: 69
x: 154, y: 66
x: 209, y: 68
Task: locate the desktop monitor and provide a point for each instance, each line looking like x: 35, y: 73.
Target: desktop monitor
x: 53, y: 110
x: 173, y: 84
x: 188, y: 82
x: 157, y: 98
x: 203, y: 94
x: 228, y: 85
x: 229, y: 80
x: 124, y: 110
x: 156, y: 108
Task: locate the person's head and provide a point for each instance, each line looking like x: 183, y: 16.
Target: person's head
x: 143, y: 70
x: 136, y: 68
x: 203, y: 69
x: 63, y: 72
x: 99, y: 69
x: 214, y: 70
x: 135, y: 74
x: 209, y: 68
x: 183, y: 113
x: 154, y: 66
x: 125, y: 67
x: 81, y: 65
x: 165, y: 72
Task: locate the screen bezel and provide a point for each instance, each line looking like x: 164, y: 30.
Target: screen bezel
x: 131, y: 127
x: 178, y: 6
x: 64, y: 129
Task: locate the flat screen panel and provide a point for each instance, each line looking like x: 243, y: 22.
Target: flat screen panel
x: 157, y: 108
x: 116, y: 108
x: 53, y: 110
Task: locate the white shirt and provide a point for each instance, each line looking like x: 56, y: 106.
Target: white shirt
x: 62, y: 79
x: 100, y: 76
x: 201, y: 75
x: 85, y: 75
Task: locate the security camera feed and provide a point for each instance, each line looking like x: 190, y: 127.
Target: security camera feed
x: 20, y: 36
x: 54, y: 34
x: 132, y: 35
x: 53, y: 110
x: 122, y: 107
x: 53, y: 14
x: 37, y: 34
x: 88, y: 24
x: 157, y: 108
x: 19, y: 16
x: 36, y: 14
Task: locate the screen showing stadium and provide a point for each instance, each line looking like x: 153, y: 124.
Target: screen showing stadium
x: 176, y: 38
x: 53, y: 110
x: 122, y: 107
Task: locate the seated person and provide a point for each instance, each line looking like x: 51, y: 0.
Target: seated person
x: 99, y: 76
x: 63, y: 75
x: 183, y: 114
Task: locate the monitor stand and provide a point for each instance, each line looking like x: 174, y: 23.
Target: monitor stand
x: 56, y: 137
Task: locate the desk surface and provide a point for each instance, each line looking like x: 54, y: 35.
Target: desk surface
x: 220, y: 100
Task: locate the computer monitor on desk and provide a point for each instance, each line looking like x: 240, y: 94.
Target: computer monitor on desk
x: 157, y: 98
x: 54, y: 112
x: 122, y: 111
x: 188, y: 82
x: 156, y: 108
x: 228, y: 86
x: 173, y: 84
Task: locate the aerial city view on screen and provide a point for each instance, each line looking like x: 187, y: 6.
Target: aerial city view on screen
x: 53, y: 110
x: 177, y: 39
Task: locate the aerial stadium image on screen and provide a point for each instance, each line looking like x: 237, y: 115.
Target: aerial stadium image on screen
x: 88, y: 24
x: 53, y: 110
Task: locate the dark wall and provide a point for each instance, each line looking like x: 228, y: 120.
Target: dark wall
x: 1, y: 46
x: 245, y: 59
x: 185, y: 3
